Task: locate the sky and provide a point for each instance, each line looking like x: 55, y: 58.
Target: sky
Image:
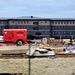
x: 38, y: 8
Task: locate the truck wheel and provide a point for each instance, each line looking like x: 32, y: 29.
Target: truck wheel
x: 19, y: 43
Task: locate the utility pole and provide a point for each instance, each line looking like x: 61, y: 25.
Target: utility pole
x: 29, y: 60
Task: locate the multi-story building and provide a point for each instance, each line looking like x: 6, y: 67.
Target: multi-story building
x: 41, y: 27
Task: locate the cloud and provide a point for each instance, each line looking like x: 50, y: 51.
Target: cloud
x: 42, y: 8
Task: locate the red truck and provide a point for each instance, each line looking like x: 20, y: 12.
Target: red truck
x: 18, y: 36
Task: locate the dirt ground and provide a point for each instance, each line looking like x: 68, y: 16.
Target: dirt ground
x: 39, y: 66
x: 58, y: 66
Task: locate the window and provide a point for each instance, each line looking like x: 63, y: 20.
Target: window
x: 59, y: 33
x: 61, y: 22
x: 56, y: 27
x: 40, y: 22
x: 35, y: 23
x: 18, y: 22
x: 55, y: 22
x: 13, y: 21
x: 70, y: 22
x: 58, y: 22
x: 37, y: 33
x: 64, y: 22
x: 64, y: 32
x: 59, y: 27
x: 0, y: 22
x: 73, y: 22
x: 27, y: 22
x: 21, y: 22
x: 70, y: 32
x: 67, y: 22
x: 35, y: 28
x: 45, y: 21
x: 53, y: 27
x: 46, y: 32
x: 25, y: 26
x: 3, y: 22
x: 0, y: 28
x: 52, y: 22
x: 53, y: 33
x: 40, y: 27
x: 24, y: 22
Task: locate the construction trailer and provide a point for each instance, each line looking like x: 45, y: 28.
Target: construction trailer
x: 18, y: 36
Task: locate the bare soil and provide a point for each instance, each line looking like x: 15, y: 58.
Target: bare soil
x: 39, y: 66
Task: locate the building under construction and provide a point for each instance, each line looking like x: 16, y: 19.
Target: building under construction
x: 41, y: 27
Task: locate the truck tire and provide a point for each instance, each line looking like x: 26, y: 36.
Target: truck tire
x: 19, y: 43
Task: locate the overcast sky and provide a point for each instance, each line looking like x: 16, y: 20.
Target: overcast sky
x: 38, y: 8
